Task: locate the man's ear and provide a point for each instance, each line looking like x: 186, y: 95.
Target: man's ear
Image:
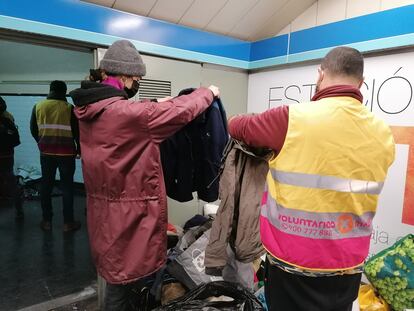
x: 321, y: 75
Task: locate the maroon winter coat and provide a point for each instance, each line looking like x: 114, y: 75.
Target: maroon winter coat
x: 126, y: 197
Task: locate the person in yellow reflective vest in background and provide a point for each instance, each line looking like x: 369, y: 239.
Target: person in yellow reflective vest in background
x: 55, y: 128
x: 331, y: 160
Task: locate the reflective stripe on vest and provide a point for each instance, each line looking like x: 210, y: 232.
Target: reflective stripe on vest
x: 317, y: 225
x: 327, y: 182
x: 323, y: 187
x: 55, y: 127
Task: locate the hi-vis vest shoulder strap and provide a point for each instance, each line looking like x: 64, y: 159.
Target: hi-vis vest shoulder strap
x: 322, y: 188
x: 55, y: 132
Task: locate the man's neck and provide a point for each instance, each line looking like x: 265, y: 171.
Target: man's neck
x: 338, y: 90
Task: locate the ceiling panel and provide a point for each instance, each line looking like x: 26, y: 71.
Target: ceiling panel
x: 243, y: 19
x: 253, y: 20
x: 284, y: 31
x: 231, y: 13
x: 390, y: 4
x: 281, y: 18
x: 140, y: 7
x: 202, y: 12
x: 169, y: 10
x: 307, y: 19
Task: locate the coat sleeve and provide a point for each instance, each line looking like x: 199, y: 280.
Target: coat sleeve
x: 267, y: 129
x: 166, y: 118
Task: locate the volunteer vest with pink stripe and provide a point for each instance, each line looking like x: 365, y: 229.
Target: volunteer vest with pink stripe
x: 323, y: 187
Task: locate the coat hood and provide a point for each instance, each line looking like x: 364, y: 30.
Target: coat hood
x: 92, y: 97
x: 93, y: 92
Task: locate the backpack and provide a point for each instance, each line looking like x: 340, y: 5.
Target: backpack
x: 9, y: 134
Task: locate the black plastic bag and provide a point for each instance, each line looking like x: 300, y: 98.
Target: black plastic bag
x: 197, y: 299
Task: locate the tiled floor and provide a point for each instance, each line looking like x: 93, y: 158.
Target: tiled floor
x: 36, y: 266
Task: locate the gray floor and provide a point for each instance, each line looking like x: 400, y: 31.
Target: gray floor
x: 90, y: 304
x: 36, y: 266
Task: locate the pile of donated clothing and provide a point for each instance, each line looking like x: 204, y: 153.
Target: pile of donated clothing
x: 216, y: 262
x: 183, y: 283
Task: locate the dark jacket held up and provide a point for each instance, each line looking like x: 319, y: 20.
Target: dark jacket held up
x: 191, y: 157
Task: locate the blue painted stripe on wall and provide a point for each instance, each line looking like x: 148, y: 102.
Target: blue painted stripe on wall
x: 385, y: 43
x: 308, y: 55
x: 273, y: 61
x: 364, y: 28
x: 372, y: 45
x: 272, y: 47
x: 90, y: 17
x: 88, y: 36
x: 78, y: 20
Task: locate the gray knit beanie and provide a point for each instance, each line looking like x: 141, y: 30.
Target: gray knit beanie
x: 123, y: 58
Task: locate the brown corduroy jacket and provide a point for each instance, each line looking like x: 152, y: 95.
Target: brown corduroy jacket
x: 237, y: 221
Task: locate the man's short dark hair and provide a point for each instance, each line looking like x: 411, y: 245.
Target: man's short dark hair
x: 344, y: 61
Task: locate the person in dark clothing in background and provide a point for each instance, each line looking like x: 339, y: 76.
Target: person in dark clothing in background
x: 55, y: 128
x: 9, y: 137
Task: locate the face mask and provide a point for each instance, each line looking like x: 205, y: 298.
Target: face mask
x: 133, y: 90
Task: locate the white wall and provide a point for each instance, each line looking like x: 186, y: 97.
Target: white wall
x: 328, y: 11
x: 181, y: 74
x: 233, y: 86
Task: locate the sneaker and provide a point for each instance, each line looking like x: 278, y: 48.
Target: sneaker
x: 71, y: 226
x: 45, y: 225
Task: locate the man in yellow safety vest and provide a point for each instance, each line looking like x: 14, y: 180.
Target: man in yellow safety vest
x: 55, y: 128
x: 331, y: 159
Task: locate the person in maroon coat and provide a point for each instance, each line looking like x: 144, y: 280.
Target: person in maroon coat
x: 126, y: 197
